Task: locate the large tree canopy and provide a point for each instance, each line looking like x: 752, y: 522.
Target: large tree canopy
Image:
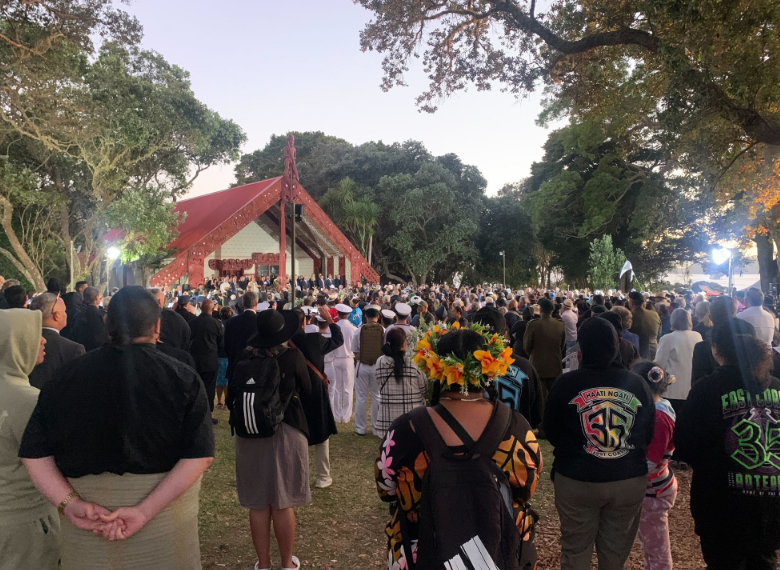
x: 686, y: 60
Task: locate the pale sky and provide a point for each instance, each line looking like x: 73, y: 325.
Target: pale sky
x: 276, y: 66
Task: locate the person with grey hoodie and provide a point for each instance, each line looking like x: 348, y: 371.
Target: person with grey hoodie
x: 29, y: 525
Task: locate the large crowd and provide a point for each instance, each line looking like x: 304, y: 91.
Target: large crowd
x: 106, y: 423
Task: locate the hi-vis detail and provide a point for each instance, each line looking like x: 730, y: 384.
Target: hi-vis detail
x: 607, y: 416
x: 475, y: 557
x: 250, y: 421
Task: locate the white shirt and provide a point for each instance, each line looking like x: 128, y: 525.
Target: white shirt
x: 675, y: 355
x: 51, y: 329
x: 762, y: 321
x: 407, y: 328
x: 349, y: 331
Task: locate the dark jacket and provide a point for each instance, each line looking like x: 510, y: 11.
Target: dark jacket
x: 517, y: 334
x: 724, y: 432
x: 181, y: 355
x: 74, y: 304
x: 184, y: 314
x: 90, y: 328
x: 206, y: 338
x: 316, y: 404
x: 544, y: 341
x: 600, y: 421
x: 59, y: 351
x: 646, y: 324
x: 531, y: 403
x: 295, y: 383
x: 238, y: 329
x: 174, y: 330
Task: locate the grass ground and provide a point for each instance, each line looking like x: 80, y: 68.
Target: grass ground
x: 343, y: 526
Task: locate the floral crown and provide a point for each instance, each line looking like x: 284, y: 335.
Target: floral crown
x: 477, y: 371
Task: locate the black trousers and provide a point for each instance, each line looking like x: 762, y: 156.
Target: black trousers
x: 209, y: 378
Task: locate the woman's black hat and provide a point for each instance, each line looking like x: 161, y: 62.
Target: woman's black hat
x: 274, y: 328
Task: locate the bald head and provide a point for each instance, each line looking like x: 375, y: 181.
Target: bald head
x: 159, y: 296
x: 207, y: 306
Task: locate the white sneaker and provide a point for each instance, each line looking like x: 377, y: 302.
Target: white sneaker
x: 323, y: 484
x: 257, y: 566
x: 296, y: 562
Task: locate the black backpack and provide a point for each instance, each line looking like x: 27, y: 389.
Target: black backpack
x: 466, y: 518
x: 257, y: 405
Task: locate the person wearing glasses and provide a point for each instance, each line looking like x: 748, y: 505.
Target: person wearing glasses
x: 59, y: 350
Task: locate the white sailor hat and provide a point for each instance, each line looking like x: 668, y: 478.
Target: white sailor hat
x: 403, y: 309
x: 342, y: 308
x: 374, y: 308
x: 307, y: 310
x: 263, y: 307
x: 415, y: 300
x: 320, y: 319
x: 388, y: 314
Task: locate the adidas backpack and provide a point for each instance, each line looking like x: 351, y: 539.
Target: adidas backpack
x: 257, y: 406
x: 466, y: 519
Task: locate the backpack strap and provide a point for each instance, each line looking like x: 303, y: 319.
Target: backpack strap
x: 426, y: 430
x: 455, y: 426
x: 494, y: 431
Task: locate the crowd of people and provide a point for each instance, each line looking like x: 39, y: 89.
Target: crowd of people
x: 106, y: 415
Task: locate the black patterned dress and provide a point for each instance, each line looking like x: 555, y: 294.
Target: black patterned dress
x: 402, y: 462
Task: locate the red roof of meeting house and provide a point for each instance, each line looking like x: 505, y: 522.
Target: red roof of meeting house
x: 206, y: 213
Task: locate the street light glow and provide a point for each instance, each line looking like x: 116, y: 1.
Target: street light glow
x: 720, y: 255
x: 112, y: 253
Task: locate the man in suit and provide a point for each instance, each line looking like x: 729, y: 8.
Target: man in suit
x: 239, y: 329
x: 320, y: 282
x: 645, y: 325
x: 207, y: 336
x: 329, y: 282
x: 90, y: 326
x: 174, y: 330
x: 59, y: 350
x: 544, y: 342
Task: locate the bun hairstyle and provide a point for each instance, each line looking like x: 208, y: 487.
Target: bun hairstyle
x: 394, y: 348
x: 656, y: 377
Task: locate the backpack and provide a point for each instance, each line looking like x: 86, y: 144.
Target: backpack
x: 476, y: 530
x: 509, y: 388
x: 257, y: 405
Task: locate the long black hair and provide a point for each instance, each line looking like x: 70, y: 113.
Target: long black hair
x: 394, y: 348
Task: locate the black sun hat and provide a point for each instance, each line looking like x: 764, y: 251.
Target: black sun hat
x: 274, y: 328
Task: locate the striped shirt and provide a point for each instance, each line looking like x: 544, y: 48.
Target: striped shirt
x: 661, y: 481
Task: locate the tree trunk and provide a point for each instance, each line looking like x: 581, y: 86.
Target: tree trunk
x: 767, y: 265
x: 20, y: 259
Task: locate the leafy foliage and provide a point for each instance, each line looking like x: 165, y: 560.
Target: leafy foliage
x: 605, y: 263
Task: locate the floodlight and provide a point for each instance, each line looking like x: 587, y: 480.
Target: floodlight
x: 721, y: 255
x: 112, y: 253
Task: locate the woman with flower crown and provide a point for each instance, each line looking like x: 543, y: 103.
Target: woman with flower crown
x: 462, y: 365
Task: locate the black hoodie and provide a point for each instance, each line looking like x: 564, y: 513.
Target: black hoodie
x: 599, y: 418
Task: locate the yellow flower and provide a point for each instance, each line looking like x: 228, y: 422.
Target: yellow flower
x: 437, y: 328
x: 456, y: 325
x: 434, y: 366
x: 453, y: 374
x: 423, y: 344
x: 506, y: 355
x: 490, y: 366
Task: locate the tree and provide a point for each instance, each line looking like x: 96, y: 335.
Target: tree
x: 588, y: 185
x: 354, y: 210
x: 433, y: 230
x: 127, y: 123
x: 605, y: 263
x: 688, y: 60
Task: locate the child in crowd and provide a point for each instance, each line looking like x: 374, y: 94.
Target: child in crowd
x: 661, y: 482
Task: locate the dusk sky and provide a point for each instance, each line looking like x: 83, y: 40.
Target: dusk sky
x: 274, y: 67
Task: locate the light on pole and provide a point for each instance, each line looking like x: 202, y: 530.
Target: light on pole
x: 503, y: 256
x: 719, y: 256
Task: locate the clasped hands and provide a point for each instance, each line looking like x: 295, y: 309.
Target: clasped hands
x: 118, y: 525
